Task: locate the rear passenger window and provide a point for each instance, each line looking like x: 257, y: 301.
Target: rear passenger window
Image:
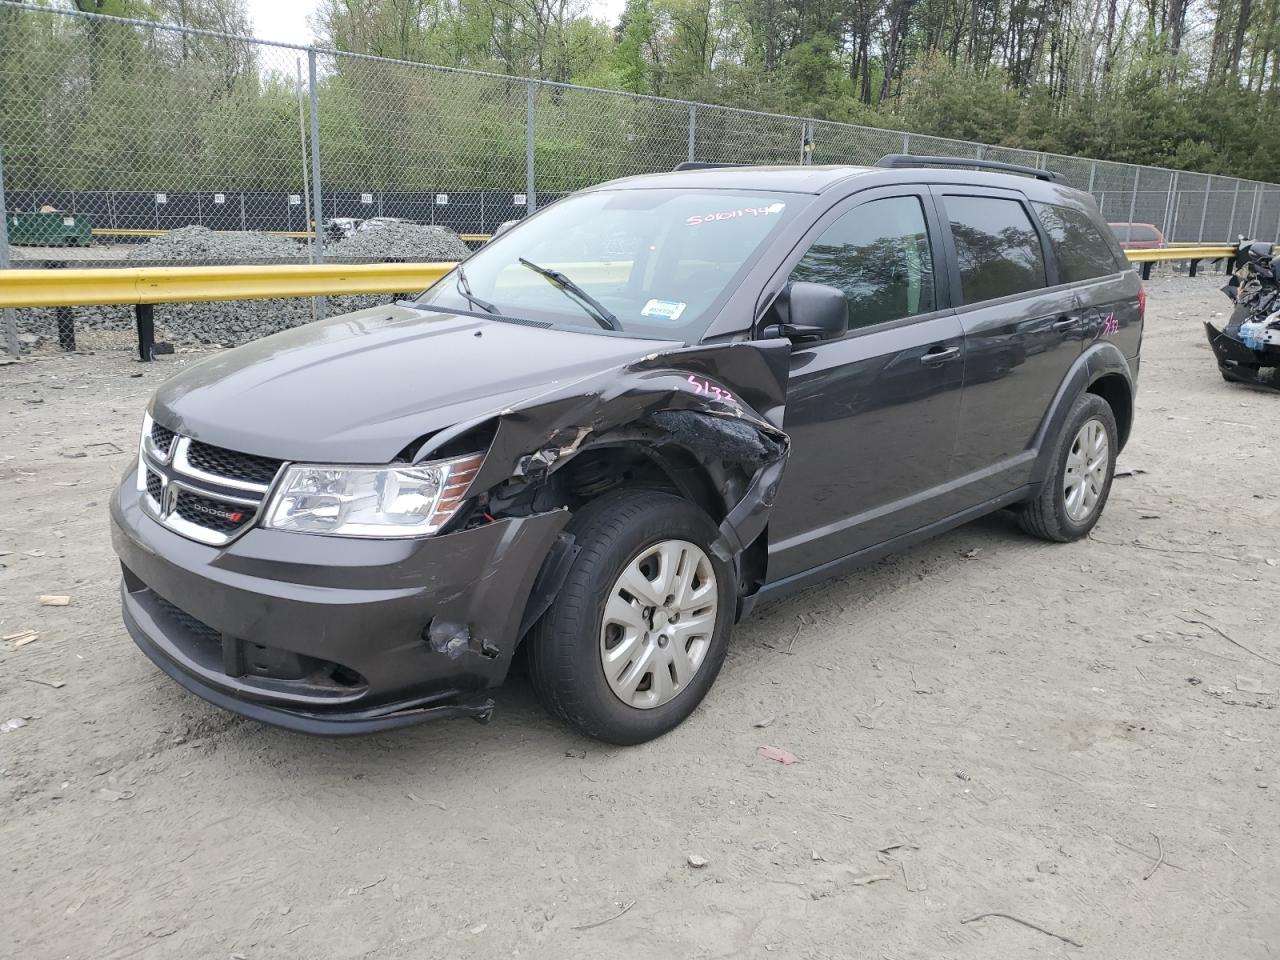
x: 878, y: 255
x: 997, y: 248
x: 1081, y: 249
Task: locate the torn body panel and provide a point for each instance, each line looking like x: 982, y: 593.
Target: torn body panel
x: 720, y: 407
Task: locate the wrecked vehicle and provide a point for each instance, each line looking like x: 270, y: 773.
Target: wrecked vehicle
x: 1248, y: 347
x: 601, y: 459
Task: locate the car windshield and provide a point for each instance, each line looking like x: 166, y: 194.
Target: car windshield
x: 651, y: 263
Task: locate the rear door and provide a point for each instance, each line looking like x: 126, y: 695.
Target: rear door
x: 1022, y: 333
x: 872, y: 416
x: 1090, y: 260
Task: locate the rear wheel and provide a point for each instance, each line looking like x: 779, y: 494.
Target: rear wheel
x: 1079, y: 481
x: 640, y: 628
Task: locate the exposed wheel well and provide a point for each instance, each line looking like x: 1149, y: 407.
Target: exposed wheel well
x: 1114, y: 389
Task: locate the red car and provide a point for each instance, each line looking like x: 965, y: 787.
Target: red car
x: 1138, y: 236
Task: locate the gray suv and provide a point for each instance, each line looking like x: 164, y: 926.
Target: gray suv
x: 617, y: 427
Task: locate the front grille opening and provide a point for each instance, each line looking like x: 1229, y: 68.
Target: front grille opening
x: 198, y: 630
x: 161, y: 437
x: 153, y: 485
x: 211, y: 514
x: 245, y: 467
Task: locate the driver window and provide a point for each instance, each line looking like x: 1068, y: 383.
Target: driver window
x: 878, y: 255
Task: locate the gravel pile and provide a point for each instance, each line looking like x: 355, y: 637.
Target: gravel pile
x: 232, y: 246
x: 228, y: 323
x: 400, y: 241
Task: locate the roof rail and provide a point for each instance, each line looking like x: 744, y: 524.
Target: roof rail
x: 898, y: 160
x: 702, y: 165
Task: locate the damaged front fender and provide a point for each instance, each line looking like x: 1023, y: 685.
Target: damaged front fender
x: 722, y: 404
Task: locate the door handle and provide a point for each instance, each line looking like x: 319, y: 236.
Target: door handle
x: 937, y: 355
x: 1066, y: 323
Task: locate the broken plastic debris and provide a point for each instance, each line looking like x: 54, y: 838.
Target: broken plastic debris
x: 697, y: 862
x: 54, y: 600
x: 22, y: 638
x: 776, y: 753
x: 15, y: 723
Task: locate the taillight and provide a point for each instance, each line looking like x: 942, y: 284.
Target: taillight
x: 1142, y: 302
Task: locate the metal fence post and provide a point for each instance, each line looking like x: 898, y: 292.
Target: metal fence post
x: 1278, y: 216
x: 1231, y: 224
x: 906, y: 143
x: 317, y: 198
x: 1255, y: 210
x: 1170, y: 204
x: 319, y: 305
x: 1093, y: 172
x: 693, y: 131
x: 530, y: 189
x: 10, y: 318
x: 1133, y: 197
x: 1204, y: 208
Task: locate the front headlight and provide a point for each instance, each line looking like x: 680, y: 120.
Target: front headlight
x: 398, y: 501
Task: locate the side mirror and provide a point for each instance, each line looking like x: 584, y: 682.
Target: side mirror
x: 815, y: 312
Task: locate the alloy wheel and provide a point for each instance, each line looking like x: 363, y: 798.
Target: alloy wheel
x: 1085, y: 476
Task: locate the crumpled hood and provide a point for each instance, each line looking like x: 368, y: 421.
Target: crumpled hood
x: 360, y: 387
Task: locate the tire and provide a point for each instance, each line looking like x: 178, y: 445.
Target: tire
x: 567, y: 650
x: 1049, y: 516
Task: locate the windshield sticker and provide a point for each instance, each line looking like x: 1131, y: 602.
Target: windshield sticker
x: 741, y: 212
x: 664, y: 309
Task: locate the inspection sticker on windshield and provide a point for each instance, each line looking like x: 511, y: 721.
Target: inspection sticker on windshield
x: 664, y: 309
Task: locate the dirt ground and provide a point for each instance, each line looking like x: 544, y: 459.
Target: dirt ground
x: 1080, y: 736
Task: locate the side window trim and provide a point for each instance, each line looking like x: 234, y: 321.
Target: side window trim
x: 940, y: 194
x: 942, y: 292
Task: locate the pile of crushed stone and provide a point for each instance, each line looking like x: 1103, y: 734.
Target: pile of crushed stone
x: 221, y: 246
x: 409, y: 242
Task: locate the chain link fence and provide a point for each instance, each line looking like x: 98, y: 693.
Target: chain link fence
x: 115, y: 132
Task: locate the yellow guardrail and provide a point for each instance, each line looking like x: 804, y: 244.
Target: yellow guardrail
x: 134, y: 285
x: 1206, y: 251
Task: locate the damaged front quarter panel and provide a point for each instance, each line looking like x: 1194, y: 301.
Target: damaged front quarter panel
x: 723, y: 405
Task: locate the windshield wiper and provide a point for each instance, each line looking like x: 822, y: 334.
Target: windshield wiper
x: 598, y: 311
x: 464, y: 288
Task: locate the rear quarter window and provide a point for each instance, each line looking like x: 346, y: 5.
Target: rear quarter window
x: 997, y: 247
x: 1083, y: 251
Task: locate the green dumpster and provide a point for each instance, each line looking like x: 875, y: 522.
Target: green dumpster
x: 55, y: 229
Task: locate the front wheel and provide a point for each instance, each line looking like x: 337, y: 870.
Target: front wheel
x: 1079, y: 480
x: 641, y: 626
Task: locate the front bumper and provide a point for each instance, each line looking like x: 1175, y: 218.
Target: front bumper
x: 331, y: 635
x: 1238, y: 362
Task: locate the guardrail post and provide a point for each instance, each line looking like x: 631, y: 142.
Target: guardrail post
x: 693, y: 131
x: 65, y: 318
x: 144, y: 315
x: 531, y: 196
x: 10, y: 318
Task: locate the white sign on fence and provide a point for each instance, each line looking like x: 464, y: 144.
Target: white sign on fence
x: 366, y: 198
x: 162, y: 198
x: 442, y: 199
x: 219, y: 198
x: 295, y: 200
x: 519, y: 199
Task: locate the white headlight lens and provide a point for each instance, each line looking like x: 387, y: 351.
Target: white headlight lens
x: 402, y: 501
